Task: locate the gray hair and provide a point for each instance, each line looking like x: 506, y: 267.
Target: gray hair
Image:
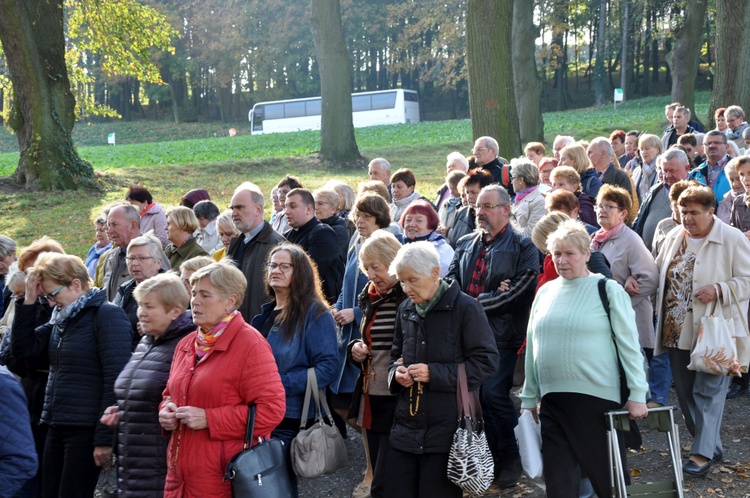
x: 255, y: 192
x: 570, y: 231
x: 490, y: 143
x: 8, y: 246
x: 14, y: 276
x: 675, y: 153
x: 735, y: 111
x: 699, y: 138
x: 168, y: 289
x: 457, y: 157
x: 564, y: 139
x: 746, y: 133
x: 715, y: 133
x: 604, y: 143
x: 343, y: 190
x: 422, y: 257
x: 525, y: 170
x: 206, y: 209
x: 330, y: 196
x: 383, y: 163
x: 130, y: 212
x: 225, y: 277
x: 149, y: 240
x: 503, y: 196
x: 734, y: 147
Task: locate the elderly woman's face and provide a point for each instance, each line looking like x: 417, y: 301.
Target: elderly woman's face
x: 721, y: 123
x: 101, y: 235
x: 400, y: 190
x: 185, y: 278
x: 174, y: 234
x: 417, y: 287
x: 227, y: 235
x: 153, y: 317
x: 366, y: 224
x: 609, y: 214
x: 209, y: 307
x: 569, y: 260
x: 696, y: 219
x: 534, y: 157
x: 141, y: 265
x: 377, y: 273
x: 648, y: 153
x: 6, y: 262
x: 280, y: 271
x: 58, y: 294
x: 323, y: 208
x: 518, y: 183
x: 560, y: 182
x: 415, y: 225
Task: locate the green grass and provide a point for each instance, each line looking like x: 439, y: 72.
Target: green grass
x: 170, y: 160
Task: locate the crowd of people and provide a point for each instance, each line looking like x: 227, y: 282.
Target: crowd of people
x: 562, y: 269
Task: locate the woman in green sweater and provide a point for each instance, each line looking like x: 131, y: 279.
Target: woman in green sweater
x: 571, y: 365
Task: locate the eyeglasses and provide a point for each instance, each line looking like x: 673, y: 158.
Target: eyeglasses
x: 140, y: 259
x: 709, y: 144
x: 284, y: 267
x: 51, y: 295
x: 480, y: 149
x: 487, y: 207
x: 603, y: 207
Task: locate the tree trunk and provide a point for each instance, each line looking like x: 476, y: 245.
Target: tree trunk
x: 528, y: 84
x: 685, y: 55
x: 732, y: 56
x: 600, y: 96
x: 43, y: 113
x: 337, y: 141
x: 624, y: 50
x: 490, y: 59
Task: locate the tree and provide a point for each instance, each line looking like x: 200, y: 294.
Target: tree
x: 337, y: 142
x: 684, y: 57
x: 491, y: 94
x: 599, y: 72
x: 528, y: 84
x: 732, y: 56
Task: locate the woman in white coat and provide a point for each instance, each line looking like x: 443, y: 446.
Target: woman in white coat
x: 528, y: 207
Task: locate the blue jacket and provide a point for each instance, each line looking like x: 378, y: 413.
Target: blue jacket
x: 354, y: 282
x: 18, y: 460
x: 721, y: 187
x: 314, y: 346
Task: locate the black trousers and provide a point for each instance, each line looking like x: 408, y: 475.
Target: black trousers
x: 379, y: 449
x: 574, y: 438
x: 69, y: 470
x: 419, y: 476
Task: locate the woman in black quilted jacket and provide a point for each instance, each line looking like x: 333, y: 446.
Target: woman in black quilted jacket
x: 141, y: 447
x: 88, y: 342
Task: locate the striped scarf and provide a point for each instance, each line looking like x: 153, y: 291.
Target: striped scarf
x: 204, y: 341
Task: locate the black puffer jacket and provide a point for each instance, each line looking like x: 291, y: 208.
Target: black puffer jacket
x: 454, y: 331
x: 85, y: 359
x: 125, y: 300
x: 142, y: 449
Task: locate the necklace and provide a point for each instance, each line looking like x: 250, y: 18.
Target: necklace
x: 414, y: 401
x: 172, y: 462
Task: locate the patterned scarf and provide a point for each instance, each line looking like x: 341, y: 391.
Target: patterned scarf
x: 62, y: 316
x: 602, y: 236
x: 520, y: 195
x: 205, y: 341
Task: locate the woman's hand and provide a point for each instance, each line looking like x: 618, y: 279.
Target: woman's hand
x: 33, y: 289
x: 193, y: 417
x: 631, y: 286
x: 403, y: 376
x: 344, y: 316
x: 111, y: 417
x: 706, y: 294
x: 102, y: 455
x: 533, y: 413
x: 359, y: 351
x: 419, y: 372
x: 167, y: 416
x: 441, y: 230
x: 637, y: 410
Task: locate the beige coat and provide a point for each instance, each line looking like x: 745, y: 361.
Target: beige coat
x: 723, y: 259
x: 529, y: 211
x: 628, y: 256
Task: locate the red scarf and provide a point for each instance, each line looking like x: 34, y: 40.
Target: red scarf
x: 602, y: 236
x: 147, y: 208
x: 205, y: 341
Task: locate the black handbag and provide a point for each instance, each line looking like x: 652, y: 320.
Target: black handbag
x: 259, y: 471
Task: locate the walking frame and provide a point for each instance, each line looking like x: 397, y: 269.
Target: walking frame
x: 662, y: 420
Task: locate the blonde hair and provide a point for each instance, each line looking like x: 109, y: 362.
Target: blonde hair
x: 61, y: 269
x: 196, y: 263
x: 570, y: 231
x: 650, y: 141
x: 577, y: 154
x: 168, y: 289
x: 566, y: 173
x: 226, y: 278
x: 546, y: 226
x: 182, y: 218
x: 380, y: 246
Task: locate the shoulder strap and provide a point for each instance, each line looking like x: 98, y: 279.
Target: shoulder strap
x: 250, y: 426
x: 602, y: 285
x: 506, y: 175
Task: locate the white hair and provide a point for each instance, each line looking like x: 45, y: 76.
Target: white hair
x: 460, y: 159
x: 422, y: 257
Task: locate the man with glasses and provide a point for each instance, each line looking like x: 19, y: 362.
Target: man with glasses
x: 482, y: 262
x: 379, y: 170
x: 250, y: 250
x: 486, y: 157
x: 279, y: 222
x: 736, y: 124
x: 711, y: 173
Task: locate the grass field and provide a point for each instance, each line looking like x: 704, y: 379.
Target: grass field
x: 170, y: 160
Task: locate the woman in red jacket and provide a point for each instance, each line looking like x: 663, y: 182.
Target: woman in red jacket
x: 216, y: 372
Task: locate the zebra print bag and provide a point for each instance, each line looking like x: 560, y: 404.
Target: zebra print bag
x: 470, y: 464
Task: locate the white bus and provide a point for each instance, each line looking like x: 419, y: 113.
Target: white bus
x: 368, y: 109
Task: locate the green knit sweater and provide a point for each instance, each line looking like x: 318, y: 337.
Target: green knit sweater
x: 569, y: 343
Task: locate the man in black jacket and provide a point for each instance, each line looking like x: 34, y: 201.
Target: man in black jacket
x: 317, y: 239
x: 482, y: 261
x: 486, y: 150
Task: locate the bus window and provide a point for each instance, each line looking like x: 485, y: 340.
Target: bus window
x: 411, y: 97
x: 360, y: 103
x: 274, y: 111
x: 384, y: 100
x: 257, y: 117
x: 294, y: 109
x: 313, y: 107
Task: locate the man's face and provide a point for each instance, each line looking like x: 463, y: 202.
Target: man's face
x: 120, y: 232
x: 631, y: 144
x: 715, y: 147
x: 491, y: 217
x: 297, y: 212
x: 674, y: 171
x: 557, y: 146
x: 597, y: 156
x: 378, y: 173
x: 680, y: 120
x: 482, y: 154
x: 669, y: 113
x: 245, y: 212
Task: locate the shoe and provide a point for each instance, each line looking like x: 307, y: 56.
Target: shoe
x: 736, y: 390
x: 718, y: 458
x: 692, y: 468
x: 508, y: 475
x: 653, y: 404
x: 361, y: 491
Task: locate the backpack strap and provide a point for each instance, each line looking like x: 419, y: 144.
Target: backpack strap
x: 506, y: 175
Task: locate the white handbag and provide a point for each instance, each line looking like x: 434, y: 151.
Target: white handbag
x: 715, y: 350
x: 529, y: 437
